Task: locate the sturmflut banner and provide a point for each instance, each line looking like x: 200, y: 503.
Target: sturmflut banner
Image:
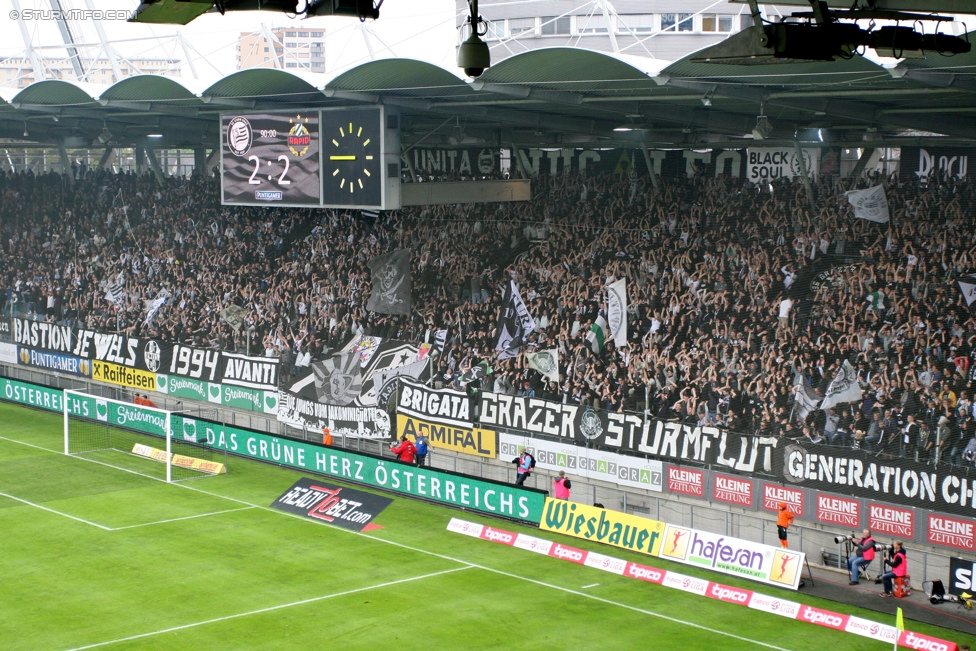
x: 629, y: 433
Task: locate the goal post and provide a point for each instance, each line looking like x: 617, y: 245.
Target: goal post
x: 106, y: 427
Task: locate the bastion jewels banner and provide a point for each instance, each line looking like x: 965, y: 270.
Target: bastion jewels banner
x: 146, y: 355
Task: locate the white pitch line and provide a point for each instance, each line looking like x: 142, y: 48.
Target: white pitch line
x: 444, y: 556
x: 186, y: 517
x: 49, y: 510
x: 592, y: 585
x: 273, y: 608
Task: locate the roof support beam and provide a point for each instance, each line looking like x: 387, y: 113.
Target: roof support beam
x: 528, y: 92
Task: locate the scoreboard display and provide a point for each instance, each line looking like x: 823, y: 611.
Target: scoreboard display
x: 271, y: 159
x: 342, y: 158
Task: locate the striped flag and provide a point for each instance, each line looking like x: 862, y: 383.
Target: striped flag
x: 598, y: 334
x: 116, y: 291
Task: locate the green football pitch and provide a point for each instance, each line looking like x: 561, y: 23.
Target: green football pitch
x: 98, y: 556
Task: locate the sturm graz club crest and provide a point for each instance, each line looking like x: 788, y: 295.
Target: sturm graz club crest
x: 239, y: 135
x: 152, y: 355
x: 590, y: 425
x: 546, y: 363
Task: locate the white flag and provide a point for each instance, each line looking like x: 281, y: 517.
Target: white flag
x: 967, y: 285
x: 154, y: 305
x: 806, y: 400
x: 870, y: 204
x: 843, y: 388
x: 546, y: 362
x: 617, y: 312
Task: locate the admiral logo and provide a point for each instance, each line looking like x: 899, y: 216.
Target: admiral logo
x: 923, y: 642
x: 689, y: 482
x: 951, y: 532
x: 823, y: 617
x: 567, y: 553
x: 497, y: 535
x: 644, y: 573
x: 889, y: 520
x: 839, y: 511
x: 268, y: 195
x: 773, y: 495
x: 726, y: 593
x: 733, y: 490
x: 344, y: 507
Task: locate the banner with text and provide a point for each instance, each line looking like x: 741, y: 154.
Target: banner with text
x: 479, y: 442
x: 623, y: 530
x: 629, y: 433
x: 625, y: 470
x: 435, y: 485
x: 950, y: 489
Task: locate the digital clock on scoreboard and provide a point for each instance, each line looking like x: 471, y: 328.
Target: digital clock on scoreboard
x: 271, y: 159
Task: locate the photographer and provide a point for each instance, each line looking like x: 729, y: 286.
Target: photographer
x: 899, y: 567
x: 863, y: 554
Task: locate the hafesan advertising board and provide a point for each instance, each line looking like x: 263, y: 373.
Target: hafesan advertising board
x: 742, y: 558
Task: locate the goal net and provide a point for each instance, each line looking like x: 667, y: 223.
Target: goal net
x: 157, y: 442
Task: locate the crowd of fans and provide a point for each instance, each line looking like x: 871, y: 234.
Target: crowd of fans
x: 736, y: 292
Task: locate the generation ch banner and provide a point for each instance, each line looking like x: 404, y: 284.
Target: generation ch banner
x: 948, y: 489
x: 426, y: 483
x: 113, y: 353
x: 621, y: 469
x: 733, y: 556
x: 629, y: 433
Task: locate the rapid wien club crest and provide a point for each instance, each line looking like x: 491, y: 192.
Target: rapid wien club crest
x: 298, y: 136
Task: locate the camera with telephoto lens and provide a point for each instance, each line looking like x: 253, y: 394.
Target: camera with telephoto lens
x: 888, y: 550
x: 844, y: 538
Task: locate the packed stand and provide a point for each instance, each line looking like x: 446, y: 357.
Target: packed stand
x: 723, y: 320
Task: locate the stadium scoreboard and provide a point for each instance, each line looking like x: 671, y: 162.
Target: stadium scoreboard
x: 328, y: 158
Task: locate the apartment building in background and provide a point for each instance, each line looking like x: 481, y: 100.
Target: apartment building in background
x: 290, y: 49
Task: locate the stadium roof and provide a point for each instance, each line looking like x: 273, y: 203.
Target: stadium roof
x: 547, y: 97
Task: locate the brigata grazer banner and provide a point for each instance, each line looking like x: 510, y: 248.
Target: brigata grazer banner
x: 948, y: 489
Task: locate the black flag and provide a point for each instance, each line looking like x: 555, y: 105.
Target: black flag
x: 391, y: 283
